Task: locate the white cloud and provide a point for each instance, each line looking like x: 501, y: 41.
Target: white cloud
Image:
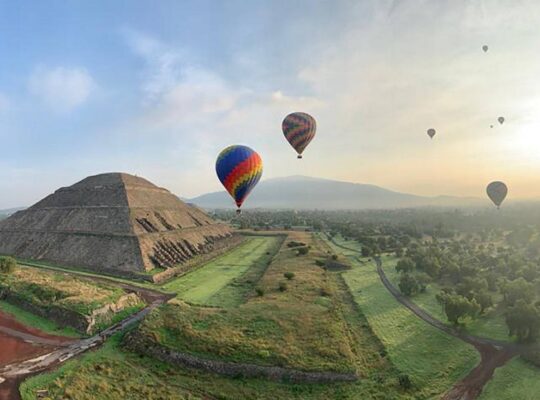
x: 61, y: 88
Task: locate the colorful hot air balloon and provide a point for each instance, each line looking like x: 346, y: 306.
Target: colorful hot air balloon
x: 431, y: 132
x: 239, y: 169
x: 497, y: 191
x: 501, y: 120
x: 299, y: 129
x: 485, y: 48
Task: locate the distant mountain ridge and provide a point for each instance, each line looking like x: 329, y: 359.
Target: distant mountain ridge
x: 303, y: 192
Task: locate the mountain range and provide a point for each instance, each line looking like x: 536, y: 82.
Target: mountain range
x: 303, y: 192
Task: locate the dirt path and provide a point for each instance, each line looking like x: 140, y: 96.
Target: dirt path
x: 494, y: 353
x: 55, y: 350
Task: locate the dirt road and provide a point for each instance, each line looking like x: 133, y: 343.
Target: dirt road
x: 494, y: 353
x: 56, y: 350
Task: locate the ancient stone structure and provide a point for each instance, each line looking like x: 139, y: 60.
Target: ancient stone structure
x: 115, y: 223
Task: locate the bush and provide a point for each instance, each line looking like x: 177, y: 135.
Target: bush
x: 325, y: 292
x: 289, y: 275
x: 334, y: 257
x: 302, y: 251
x: 259, y: 291
x: 319, y: 263
x: 405, y: 381
x: 282, y: 286
x: 7, y: 265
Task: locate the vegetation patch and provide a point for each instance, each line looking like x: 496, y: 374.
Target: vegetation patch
x: 288, y: 328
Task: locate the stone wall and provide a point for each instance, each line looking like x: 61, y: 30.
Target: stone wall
x: 137, y: 343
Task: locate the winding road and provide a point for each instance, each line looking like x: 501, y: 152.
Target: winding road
x: 494, y: 353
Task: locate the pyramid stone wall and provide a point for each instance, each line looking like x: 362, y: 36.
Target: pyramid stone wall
x: 114, y: 222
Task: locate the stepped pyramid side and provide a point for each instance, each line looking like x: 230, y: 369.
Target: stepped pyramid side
x: 111, y: 222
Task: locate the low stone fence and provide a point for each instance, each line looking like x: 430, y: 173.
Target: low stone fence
x: 135, y: 342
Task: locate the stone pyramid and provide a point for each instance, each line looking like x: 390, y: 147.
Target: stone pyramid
x: 114, y: 223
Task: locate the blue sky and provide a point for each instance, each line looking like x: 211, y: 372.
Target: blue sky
x: 157, y: 88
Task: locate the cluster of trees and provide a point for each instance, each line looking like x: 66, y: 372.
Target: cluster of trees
x: 477, y: 276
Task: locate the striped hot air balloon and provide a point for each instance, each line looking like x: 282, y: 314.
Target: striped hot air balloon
x: 299, y: 129
x: 239, y: 169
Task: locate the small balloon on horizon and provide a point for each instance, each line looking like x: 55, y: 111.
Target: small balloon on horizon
x: 485, y: 48
x: 431, y: 132
x: 497, y: 192
x: 501, y: 120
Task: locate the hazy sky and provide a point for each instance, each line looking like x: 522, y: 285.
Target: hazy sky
x: 158, y: 88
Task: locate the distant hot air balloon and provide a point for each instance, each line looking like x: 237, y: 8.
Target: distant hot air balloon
x: 501, y: 120
x: 299, y: 129
x: 239, y: 169
x: 485, y: 48
x: 497, y: 191
x: 431, y: 132
x: 491, y: 126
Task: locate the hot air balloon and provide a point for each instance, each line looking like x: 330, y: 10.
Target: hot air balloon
x: 501, y: 120
x: 497, y: 191
x: 239, y: 169
x: 491, y: 126
x: 431, y: 132
x: 299, y: 129
x: 485, y: 48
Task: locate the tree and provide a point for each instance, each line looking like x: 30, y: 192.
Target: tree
x: 302, y: 251
x: 399, y: 252
x: 484, y: 299
x: 517, y: 289
x: 457, y: 306
x: 523, y: 321
x: 7, y: 265
x: 366, y: 251
x: 289, y: 275
x: 408, y: 285
x: 405, y: 265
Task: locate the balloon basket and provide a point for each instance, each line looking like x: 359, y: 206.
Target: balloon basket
x: 238, y: 212
x: 299, y: 156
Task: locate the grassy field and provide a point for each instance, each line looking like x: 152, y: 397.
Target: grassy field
x: 515, y: 380
x: 299, y: 327
x: 491, y: 325
x: 226, y: 280
x: 43, y: 324
x: 433, y: 360
x: 117, y: 374
x: 46, y: 288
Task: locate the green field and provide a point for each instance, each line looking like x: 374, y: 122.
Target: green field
x: 37, y: 322
x: 433, y: 360
x: 491, y: 325
x: 219, y: 282
x: 516, y: 380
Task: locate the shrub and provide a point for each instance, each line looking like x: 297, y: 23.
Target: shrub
x: 7, y: 265
x: 325, y: 292
x: 334, y: 257
x: 282, y: 286
x: 319, y: 263
x: 289, y: 275
x: 259, y: 291
x: 405, y: 381
x: 302, y: 251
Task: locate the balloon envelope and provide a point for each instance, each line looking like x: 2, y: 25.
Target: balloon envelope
x: 501, y: 120
x: 431, y: 132
x: 497, y: 191
x: 239, y: 169
x: 299, y: 129
x: 485, y: 48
